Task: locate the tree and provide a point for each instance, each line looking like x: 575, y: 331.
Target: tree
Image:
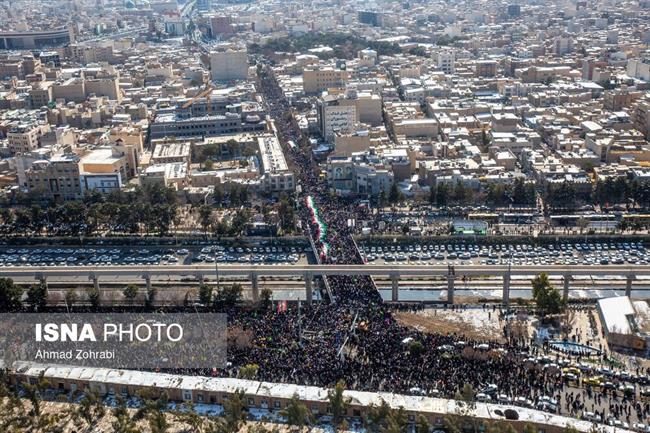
x: 296, y: 413
x: 416, y: 348
x: 582, y: 223
x: 547, y: 297
x: 205, y: 294
x: 375, y: 420
x: 71, y: 297
x: 442, y: 194
x: 394, y: 195
x: 286, y: 214
x: 123, y: 422
x: 188, y: 415
x: 265, y: 297
x: 130, y: 292
x: 205, y: 214
x: 460, y: 192
x: 464, y: 411
x: 37, y: 296
x: 94, y: 296
x: 230, y: 295
x: 529, y: 428
x: 33, y: 393
x: 396, y: 421
x: 338, y: 403
x: 234, y: 410
x: 248, y: 371
x: 158, y: 422
x: 91, y: 408
x: 422, y: 425
x: 10, y: 295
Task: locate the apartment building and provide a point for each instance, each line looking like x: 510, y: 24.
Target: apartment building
x: 25, y: 137
x: 229, y: 63
x: 276, y: 176
x: 317, y: 79
x: 57, y: 179
x: 334, y: 117
x: 104, y: 169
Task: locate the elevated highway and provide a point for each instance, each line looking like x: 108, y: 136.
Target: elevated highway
x: 393, y: 271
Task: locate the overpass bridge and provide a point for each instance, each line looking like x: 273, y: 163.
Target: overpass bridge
x: 393, y: 271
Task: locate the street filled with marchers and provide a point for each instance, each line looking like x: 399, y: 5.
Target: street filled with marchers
x: 355, y: 336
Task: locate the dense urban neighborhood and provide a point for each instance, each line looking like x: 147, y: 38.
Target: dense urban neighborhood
x: 412, y: 216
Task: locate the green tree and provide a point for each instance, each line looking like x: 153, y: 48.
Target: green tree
x: 123, y: 423
x: 464, y: 416
x: 234, y: 412
x: 94, y: 296
x: 205, y: 294
x: 71, y: 297
x: 442, y: 194
x: 529, y: 428
x: 265, y: 297
x: 375, y: 419
x: 286, y: 214
x: 338, y: 403
x: 37, y: 296
x: 205, y: 216
x: 230, y: 295
x: 296, y: 413
x: 158, y: 422
x: 187, y: 415
x: 422, y: 425
x: 396, y: 422
x: 91, y: 408
x: 130, y: 292
x: 394, y: 195
x: 248, y: 371
x: 547, y: 297
x: 416, y: 348
x: 10, y: 295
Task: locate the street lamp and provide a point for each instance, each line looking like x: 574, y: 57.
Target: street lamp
x: 216, y: 268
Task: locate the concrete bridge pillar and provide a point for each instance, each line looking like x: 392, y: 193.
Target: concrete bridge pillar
x: 506, y: 289
x: 394, y: 279
x: 309, y: 296
x: 95, y: 279
x: 147, y: 280
x: 200, y: 278
x: 450, y: 286
x: 628, y: 285
x: 255, y: 286
x: 567, y: 282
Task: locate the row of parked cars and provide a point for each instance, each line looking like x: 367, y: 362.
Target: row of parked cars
x: 100, y: 256
x: 517, y: 254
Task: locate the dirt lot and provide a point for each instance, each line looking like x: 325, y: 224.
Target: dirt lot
x: 474, y: 323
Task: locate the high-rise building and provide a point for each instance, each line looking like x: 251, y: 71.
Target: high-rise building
x: 335, y: 117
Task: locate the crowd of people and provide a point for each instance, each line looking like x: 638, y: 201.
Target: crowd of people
x: 355, y: 337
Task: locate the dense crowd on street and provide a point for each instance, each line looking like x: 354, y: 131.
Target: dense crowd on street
x: 356, y: 338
